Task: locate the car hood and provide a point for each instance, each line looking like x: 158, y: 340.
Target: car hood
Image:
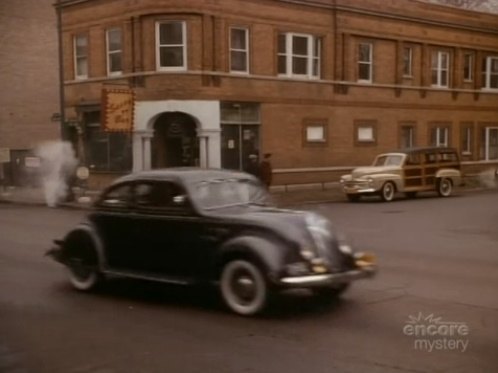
x: 288, y: 223
x: 373, y: 170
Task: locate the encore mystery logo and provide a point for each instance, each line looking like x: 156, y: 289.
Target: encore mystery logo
x: 433, y: 334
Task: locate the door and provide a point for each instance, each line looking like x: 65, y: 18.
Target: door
x: 491, y: 143
x: 167, y: 230
x: 114, y: 225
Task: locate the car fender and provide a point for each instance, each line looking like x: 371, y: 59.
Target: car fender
x: 91, y: 231
x: 267, y: 252
x: 454, y: 175
x: 378, y: 180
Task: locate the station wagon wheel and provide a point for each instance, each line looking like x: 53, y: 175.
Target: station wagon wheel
x: 444, y: 187
x: 243, y: 287
x: 387, y: 191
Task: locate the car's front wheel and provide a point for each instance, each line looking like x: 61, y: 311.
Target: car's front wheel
x: 82, y: 276
x: 444, y: 187
x: 244, y: 287
x: 387, y: 191
x: 81, y: 259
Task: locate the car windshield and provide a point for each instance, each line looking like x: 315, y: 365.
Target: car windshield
x: 388, y: 160
x: 220, y: 193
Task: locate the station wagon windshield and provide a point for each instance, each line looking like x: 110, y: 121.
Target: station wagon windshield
x: 388, y: 160
x: 220, y: 193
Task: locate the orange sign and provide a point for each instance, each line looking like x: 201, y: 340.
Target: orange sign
x: 117, y: 113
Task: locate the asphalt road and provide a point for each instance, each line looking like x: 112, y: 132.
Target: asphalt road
x: 437, y: 257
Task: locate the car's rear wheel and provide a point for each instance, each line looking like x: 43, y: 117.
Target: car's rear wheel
x: 387, y: 191
x: 244, y: 287
x: 444, y: 187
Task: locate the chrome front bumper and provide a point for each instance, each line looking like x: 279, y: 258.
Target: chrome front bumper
x: 329, y: 279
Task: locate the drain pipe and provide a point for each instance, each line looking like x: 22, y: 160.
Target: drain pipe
x: 63, y: 131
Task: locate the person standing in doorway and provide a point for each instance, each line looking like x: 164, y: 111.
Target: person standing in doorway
x: 253, y: 166
x: 266, y: 170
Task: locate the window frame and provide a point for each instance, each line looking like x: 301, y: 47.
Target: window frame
x: 369, y: 62
x: 246, y: 51
x: 158, y: 46
x: 440, y: 69
x: 313, y: 55
x: 468, y: 67
x: 488, y: 74
x: 77, y: 57
x: 117, y: 51
x: 438, y: 127
x: 467, y: 133
x: 358, y: 124
x: 412, y: 127
x: 408, y: 63
x: 310, y: 123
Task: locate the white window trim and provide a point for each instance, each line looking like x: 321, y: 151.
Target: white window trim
x: 317, y: 128
x: 440, y: 69
x: 369, y: 63
x: 75, y: 57
x: 489, y: 60
x: 410, y: 62
x: 109, y: 52
x: 246, y: 51
x: 471, y: 67
x: 310, y: 57
x: 486, y: 143
x: 445, y: 132
x: 467, y: 150
x: 183, y: 45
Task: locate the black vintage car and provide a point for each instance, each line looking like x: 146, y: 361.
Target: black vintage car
x: 188, y: 226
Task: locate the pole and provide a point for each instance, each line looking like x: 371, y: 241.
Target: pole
x: 63, y: 132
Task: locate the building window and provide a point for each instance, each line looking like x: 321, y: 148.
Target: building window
x: 439, y: 136
x: 114, y: 45
x: 299, y: 55
x: 239, y: 50
x: 365, y: 132
x: 489, y: 143
x: 81, y: 56
x: 315, y: 132
x: 468, y: 67
x: 171, y: 49
x: 105, y: 151
x: 490, y: 71
x: 406, y: 136
x: 365, y: 52
x: 440, y: 67
x: 407, y: 61
x: 466, y: 138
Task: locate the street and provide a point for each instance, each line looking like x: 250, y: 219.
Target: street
x: 438, y: 267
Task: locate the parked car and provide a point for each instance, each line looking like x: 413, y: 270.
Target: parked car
x: 408, y: 171
x: 188, y: 226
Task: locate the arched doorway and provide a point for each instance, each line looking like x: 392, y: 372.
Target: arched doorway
x: 175, y: 142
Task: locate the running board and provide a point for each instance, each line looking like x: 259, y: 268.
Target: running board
x: 149, y: 277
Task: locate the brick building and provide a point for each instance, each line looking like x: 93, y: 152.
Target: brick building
x: 29, y: 81
x: 323, y: 85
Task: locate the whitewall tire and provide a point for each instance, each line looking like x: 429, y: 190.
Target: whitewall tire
x: 444, y: 187
x: 387, y: 191
x: 243, y: 287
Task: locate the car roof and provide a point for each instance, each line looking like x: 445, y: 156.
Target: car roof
x: 186, y: 174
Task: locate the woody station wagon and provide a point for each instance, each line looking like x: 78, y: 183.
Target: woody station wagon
x: 408, y: 171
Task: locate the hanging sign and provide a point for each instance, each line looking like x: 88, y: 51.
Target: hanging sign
x: 117, y: 109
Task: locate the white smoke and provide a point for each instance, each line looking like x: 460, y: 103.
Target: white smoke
x: 488, y: 178
x: 58, y: 163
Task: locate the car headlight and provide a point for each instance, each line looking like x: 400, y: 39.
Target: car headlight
x: 345, y: 248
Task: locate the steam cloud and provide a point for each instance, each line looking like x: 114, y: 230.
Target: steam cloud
x: 58, y: 163
x: 488, y: 178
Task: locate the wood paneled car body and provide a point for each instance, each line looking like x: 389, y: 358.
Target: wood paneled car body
x: 408, y: 171
x: 188, y: 226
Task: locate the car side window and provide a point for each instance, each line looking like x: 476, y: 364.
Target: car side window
x: 413, y: 159
x: 159, y: 196
x: 117, y: 197
x: 430, y: 158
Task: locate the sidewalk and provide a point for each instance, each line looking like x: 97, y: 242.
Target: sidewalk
x: 298, y: 196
